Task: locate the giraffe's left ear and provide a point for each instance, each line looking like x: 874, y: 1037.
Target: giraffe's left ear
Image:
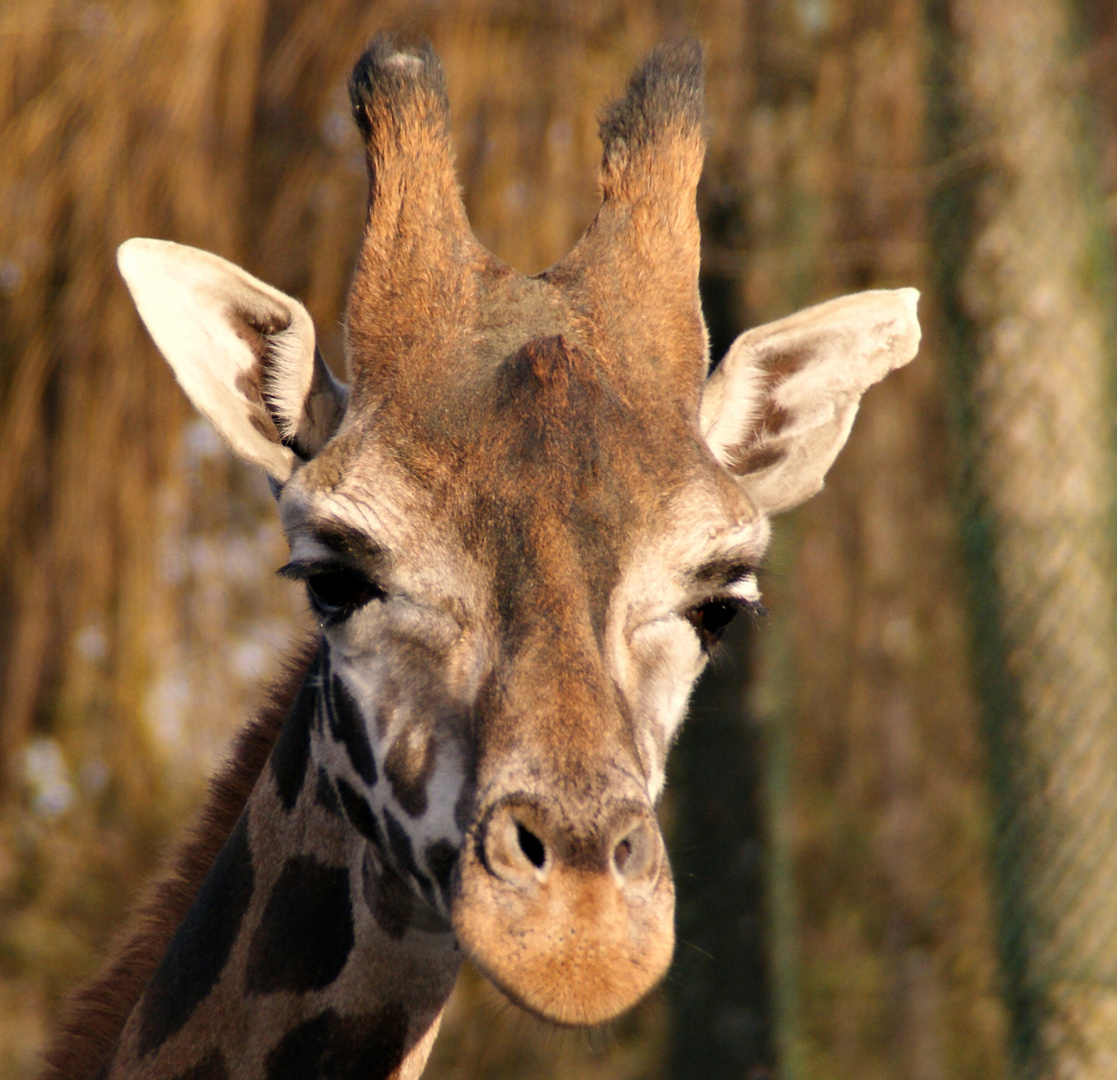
x: 243, y: 352
x: 780, y: 405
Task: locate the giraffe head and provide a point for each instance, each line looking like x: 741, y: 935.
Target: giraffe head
x: 525, y: 522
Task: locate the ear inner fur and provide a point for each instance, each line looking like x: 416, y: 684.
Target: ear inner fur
x: 243, y: 351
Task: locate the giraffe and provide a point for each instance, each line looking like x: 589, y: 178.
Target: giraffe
x: 523, y: 526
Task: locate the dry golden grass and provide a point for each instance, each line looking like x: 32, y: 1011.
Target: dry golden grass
x: 137, y: 607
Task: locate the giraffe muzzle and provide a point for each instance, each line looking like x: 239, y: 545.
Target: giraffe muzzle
x: 570, y: 915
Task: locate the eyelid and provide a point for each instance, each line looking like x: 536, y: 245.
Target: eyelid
x: 736, y: 579
x: 331, y: 545
x: 324, y: 560
x: 743, y: 593
x: 348, y: 543
x: 745, y: 589
x: 724, y: 571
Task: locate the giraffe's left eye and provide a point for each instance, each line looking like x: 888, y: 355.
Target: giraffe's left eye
x: 711, y: 619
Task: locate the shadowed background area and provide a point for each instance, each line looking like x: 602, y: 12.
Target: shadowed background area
x: 893, y: 814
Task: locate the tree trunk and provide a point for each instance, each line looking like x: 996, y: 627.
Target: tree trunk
x: 1029, y: 290
x: 880, y: 792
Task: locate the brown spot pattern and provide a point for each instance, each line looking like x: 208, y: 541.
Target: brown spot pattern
x: 211, y: 1067
x: 387, y: 896
x: 94, y: 1019
x: 409, y: 767
x: 335, y: 1047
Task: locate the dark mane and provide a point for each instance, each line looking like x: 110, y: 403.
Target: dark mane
x: 94, y: 1017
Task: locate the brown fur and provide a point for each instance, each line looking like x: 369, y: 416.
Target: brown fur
x: 416, y: 218
x: 94, y: 1017
x: 647, y: 229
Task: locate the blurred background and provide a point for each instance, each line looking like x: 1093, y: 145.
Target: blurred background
x: 893, y: 813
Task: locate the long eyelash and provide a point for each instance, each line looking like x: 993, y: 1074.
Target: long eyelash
x: 301, y: 571
x: 754, y: 608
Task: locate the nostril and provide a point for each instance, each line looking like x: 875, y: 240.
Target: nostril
x: 622, y: 854
x: 516, y: 846
x: 531, y: 846
x: 634, y: 855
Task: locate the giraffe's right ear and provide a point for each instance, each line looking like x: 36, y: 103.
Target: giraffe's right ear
x: 243, y: 352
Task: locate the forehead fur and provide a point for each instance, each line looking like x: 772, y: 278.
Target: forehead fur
x: 544, y: 467
x: 564, y: 468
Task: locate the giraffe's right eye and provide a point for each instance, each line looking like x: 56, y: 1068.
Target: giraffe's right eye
x: 335, y: 591
x: 338, y: 592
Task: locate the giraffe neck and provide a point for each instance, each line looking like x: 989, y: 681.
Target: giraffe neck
x: 304, y: 954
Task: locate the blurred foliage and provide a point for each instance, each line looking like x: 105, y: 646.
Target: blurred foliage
x: 836, y: 902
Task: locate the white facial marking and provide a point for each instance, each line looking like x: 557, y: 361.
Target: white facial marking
x: 746, y: 590
x: 654, y: 648
x: 366, y: 683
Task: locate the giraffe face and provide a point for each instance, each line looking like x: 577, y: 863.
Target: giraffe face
x: 515, y: 616
x: 524, y: 523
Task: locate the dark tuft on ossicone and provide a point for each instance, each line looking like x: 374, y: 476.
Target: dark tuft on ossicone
x: 390, y: 83
x: 665, y: 96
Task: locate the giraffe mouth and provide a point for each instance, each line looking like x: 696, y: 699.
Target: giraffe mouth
x: 574, y: 928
